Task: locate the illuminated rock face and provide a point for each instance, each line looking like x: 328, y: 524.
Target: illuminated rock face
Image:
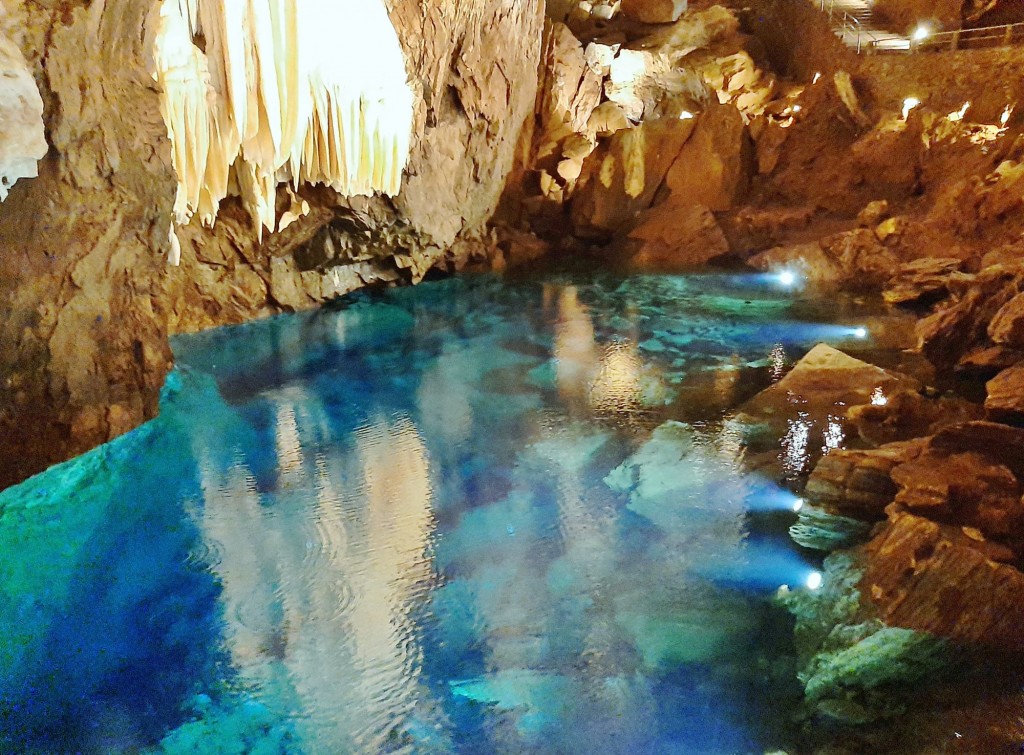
x: 312, y: 92
x: 22, y: 142
x: 89, y: 363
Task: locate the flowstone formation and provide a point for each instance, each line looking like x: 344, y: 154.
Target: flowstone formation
x: 280, y: 93
x: 22, y: 143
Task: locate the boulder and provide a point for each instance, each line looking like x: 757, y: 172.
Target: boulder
x: 621, y: 179
x: 859, y: 482
x: 854, y: 259
x: 908, y: 414
x: 1007, y: 326
x: 714, y: 167
x: 961, y: 326
x: 924, y: 281
x: 944, y: 581
x: 674, y: 236
x: 653, y: 11
x: 1005, y: 400
x: 964, y: 489
x: 805, y: 412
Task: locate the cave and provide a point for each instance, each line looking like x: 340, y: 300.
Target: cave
x: 526, y: 376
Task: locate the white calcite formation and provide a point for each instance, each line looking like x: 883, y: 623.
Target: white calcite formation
x: 22, y: 138
x: 256, y: 94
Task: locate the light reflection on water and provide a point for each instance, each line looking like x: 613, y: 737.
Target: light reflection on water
x: 438, y: 521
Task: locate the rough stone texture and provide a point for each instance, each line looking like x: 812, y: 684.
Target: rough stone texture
x: 908, y: 414
x: 1007, y: 326
x: 854, y: 259
x: 622, y: 178
x: 713, y: 168
x: 924, y: 576
x: 1005, y: 401
x: 22, y: 143
x: 676, y: 236
x: 654, y: 11
x: 88, y: 298
x: 858, y: 482
x: 923, y: 281
x: 968, y: 489
x: 962, y: 324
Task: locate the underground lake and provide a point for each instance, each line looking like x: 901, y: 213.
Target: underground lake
x: 477, y: 515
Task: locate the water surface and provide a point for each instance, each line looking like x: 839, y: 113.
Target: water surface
x: 472, y: 516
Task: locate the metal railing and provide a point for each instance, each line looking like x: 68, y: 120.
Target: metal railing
x: 870, y: 41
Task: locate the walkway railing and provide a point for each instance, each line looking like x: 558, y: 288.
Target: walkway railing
x: 867, y: 40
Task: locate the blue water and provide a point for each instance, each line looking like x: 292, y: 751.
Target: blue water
x: 462, y: 517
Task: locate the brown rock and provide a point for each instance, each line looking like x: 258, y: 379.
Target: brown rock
x: 809, y: 260
x: 1007, y: 326
x: 859, y: 483
x: 654, y: 11
x: 862, y: 258
x: 621, y: 179
x: 873, y: 213
x: 964, y: 489
x: 1005, y: 400
x: 713, y: 169
x: 999, y: 442
x: 908, y: 414
x: 805, y: 412
x: 673, y: 236
x: 962, y: 325
x: 923, y: 281
x: 988, y: 360
x: 923, y: 576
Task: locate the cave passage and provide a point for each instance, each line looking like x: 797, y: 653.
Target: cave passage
x: 475, y: 515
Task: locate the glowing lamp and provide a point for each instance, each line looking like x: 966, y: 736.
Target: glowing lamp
x: 814, y: 580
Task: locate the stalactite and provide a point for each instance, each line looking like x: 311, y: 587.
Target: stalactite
x: 283, y: 92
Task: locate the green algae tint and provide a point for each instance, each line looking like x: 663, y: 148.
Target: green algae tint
x: 463, y: 517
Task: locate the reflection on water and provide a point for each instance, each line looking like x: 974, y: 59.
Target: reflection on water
x: 454, y: 519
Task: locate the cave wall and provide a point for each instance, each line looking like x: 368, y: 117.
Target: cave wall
x: 87, y: 297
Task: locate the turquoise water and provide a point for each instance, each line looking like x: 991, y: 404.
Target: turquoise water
x: 472, y: 516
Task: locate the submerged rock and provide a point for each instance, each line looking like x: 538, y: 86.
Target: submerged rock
x: 823, y: 530
x: 805, y: 412
x: 849, y: 662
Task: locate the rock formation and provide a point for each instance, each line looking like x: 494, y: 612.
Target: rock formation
x: 90, y: 297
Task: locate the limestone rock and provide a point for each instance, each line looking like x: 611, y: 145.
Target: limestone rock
x: 857, y: 482
x: 714, y: 167
x: 907, y: 414
x: 89, y: 237
x: 805, y: 412
x: 965, y: 489
x: 923, y: 576
x: 672, y: 236
x: 873, y: 213
x: 962, y: 325
x: 854, y: 259
x: 623, y: 178
x: 654, y: 11
x: 22, y: 141
x: 1007, y: 326
x: 1005, y: 399
x: 922, y: 281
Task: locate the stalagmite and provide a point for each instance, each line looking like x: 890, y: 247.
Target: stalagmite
x: 282, y: 92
